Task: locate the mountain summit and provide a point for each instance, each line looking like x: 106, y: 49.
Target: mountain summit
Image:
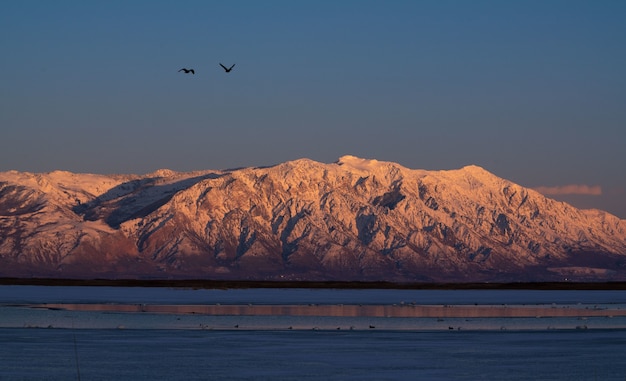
x: 355, y: 219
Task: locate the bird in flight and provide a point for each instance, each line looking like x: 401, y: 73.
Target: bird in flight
x: 227, y: 69
x: 187, y: 71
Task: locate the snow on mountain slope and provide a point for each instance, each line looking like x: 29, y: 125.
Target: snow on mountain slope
x: 355, y: 219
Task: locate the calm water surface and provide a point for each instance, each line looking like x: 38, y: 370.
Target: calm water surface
x: 62, y: 294
x: 41, y: 344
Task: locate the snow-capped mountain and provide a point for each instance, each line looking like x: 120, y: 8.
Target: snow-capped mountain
x: 354, y: 219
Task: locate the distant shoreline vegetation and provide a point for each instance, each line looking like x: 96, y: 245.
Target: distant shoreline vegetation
x: 246, y: 284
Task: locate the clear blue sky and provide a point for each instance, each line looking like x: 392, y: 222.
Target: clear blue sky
x: 533, y: 91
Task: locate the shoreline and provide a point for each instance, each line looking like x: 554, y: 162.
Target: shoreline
x: 346, y: 310
x: 356, y: 285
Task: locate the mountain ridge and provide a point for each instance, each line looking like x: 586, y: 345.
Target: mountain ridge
x: 354, y: 219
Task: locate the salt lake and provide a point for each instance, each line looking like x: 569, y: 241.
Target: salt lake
x: 56, y: 333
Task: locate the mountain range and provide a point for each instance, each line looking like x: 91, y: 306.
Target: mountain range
x: 351, y: 220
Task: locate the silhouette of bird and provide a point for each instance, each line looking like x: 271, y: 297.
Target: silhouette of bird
x: 187, y: 71
x: 227, y: 69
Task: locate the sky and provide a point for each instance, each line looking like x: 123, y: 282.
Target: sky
x: 532, y: 91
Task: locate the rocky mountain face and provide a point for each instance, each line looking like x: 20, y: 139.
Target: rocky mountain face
x: 355, y: 219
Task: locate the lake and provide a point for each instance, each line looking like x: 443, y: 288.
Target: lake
x: 86, y: 333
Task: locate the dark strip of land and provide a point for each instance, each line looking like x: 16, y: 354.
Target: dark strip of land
x: 245, y: 284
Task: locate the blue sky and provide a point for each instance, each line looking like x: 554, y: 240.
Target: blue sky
x: 533, y: 91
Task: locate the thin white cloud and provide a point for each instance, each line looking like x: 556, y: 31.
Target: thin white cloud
x: 589, y: 190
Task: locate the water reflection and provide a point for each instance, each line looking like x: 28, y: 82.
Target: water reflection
x: 288, y: 309
x: 342, y: 310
